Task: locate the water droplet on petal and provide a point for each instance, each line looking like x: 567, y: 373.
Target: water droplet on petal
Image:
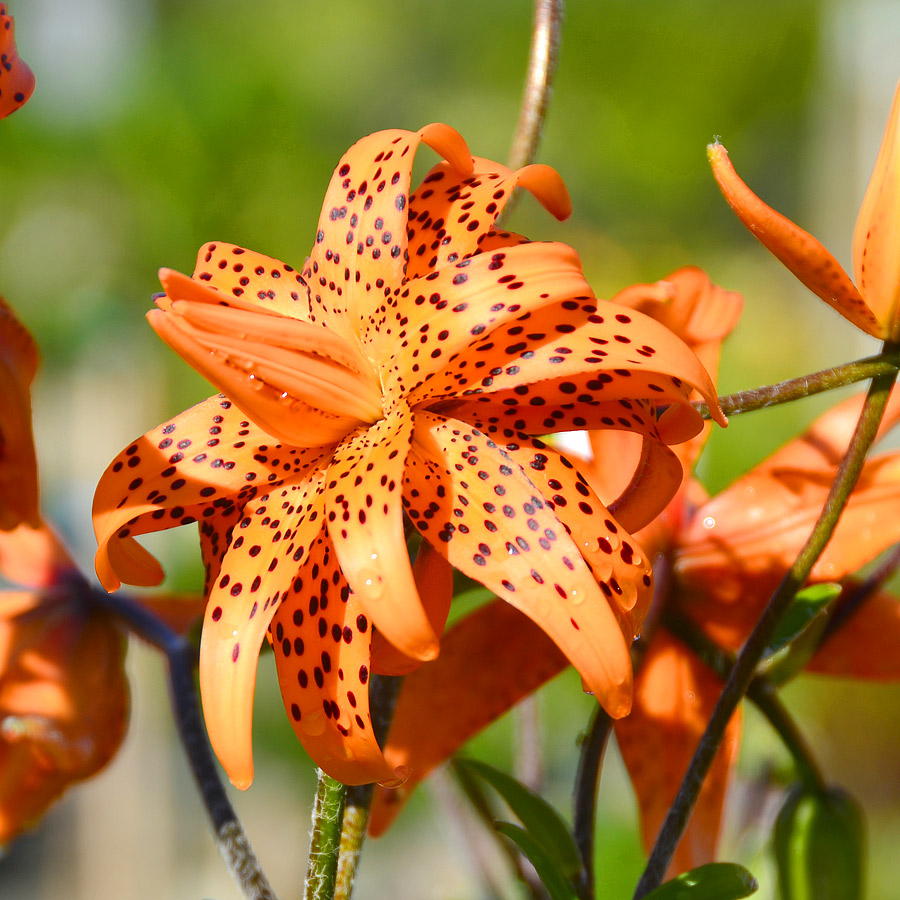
x: 576, y: 596
x: 690, y: 696
x: 709, y: 522
x: 313, y: 724
x: 591, y: 545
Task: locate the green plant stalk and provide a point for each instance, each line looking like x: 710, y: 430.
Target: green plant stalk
x: 761, y: 692
x: 884, y: 363
x: 745, y: 665
x: 324, y: 844
x: 180, y: 656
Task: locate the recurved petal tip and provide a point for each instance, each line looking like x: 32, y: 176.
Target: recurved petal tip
x: 795, y: 248
x: 450, y: 144
x: 546, y: 184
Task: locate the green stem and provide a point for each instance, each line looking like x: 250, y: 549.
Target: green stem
x: 752, y: 651
x: 383, y: 693
x: 181, y: 658
x: 328, y: 811
x: 761, y: 692
x: 806, y: 386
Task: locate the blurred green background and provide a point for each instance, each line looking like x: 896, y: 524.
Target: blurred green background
x: 158, y: 125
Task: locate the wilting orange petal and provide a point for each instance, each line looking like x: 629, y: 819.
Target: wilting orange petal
x: 321, y: 642
x: 865, y: 645
x: 259, y: 568
x: 489, y: 661
x: 474, y: 503
x: 365, y: 521
x: 434, y: 582
x: 449, y: 217
x: 361, y: 238
x: 207, y: 458
x: 798, y: 250
x: 18, y: 467
x: 674, y: 696
x: 16, y: 79
x: 876, y: 240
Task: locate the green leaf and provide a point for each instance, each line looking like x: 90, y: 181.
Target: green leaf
x: 558, y: 886
x: 820, y: 845
x: 799, y: 615
x: 540, y: 819
x: 714, y: 881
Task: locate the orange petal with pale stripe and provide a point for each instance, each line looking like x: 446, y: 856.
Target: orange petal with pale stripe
x: 798, y: 250
x: 267, y: 553
x: 876, y: 240
x: 475, y: 504
x: 489, y: 661
x: 674, y: 696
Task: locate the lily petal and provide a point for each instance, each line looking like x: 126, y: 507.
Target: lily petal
x: 673, y: 700
x: 16, y: 79
x: 865, y: 645
x: 168, y: 476
x: 474, y: 503
x: 449, y: 217
x: 361, y: 239
x: 798, y: 250
x: 434, y: 582
x: 490, y: 660
x: 275, y: 537
x: 18, y: 466
x: 321, y: 646
x: 365, y: 521
x: 876, y: 240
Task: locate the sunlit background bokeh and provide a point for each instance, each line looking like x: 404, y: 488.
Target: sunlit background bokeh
x: 157, y: 125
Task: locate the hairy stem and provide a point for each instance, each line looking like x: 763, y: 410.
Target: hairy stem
x: 761, y: 692
x: 181, y: 658
x: 806, y: 386
x: 383, y: 692
x: 745, y: 665
x: 328, y: 812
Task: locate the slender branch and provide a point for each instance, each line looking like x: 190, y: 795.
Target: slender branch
x: 383, y: 692
x: 328, y: 811
x: 542, y: 61
x: 585, y: 796
x: 761, y: 692
x: 752, y: 651
x: 181, y: 658
x: 529, y: 763
x: 807, y: 385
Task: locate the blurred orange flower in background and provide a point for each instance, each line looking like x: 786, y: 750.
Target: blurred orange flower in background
x: 399, y: 378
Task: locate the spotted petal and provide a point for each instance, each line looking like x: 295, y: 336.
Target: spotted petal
x: 172, y: 476
x: 798, y: 250
x: 876, y: 240
x: 269, y: 548
x: 449, y: 218
x: 321, y: 641
x: 361, y: 243
x: 16, y: 79
x: 476, y: 505
x: 674, y: 696
x: 365, y: 521
x: 489, y: 661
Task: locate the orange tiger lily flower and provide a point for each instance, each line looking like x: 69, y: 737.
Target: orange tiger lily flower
x: 63, y: 692
x: 16, y: 79
x: 477, y: 679
x: 398, y: 378
x: 18, y: 466
x: 873, y: 303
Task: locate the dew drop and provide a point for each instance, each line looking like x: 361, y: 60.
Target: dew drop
x: 576, y: 596
x: 314, y: 723
x: 690, y: 696
x: 372, y: 582
x: 709, y: 522
x: 591, y: 545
